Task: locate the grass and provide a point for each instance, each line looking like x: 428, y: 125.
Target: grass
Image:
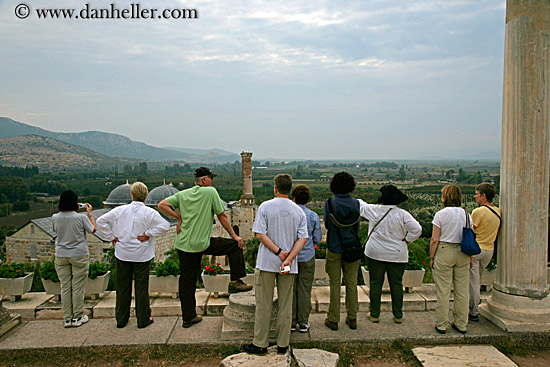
x: 37, y: 210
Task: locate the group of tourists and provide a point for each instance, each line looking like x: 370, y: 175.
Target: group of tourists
x: 288, y: 232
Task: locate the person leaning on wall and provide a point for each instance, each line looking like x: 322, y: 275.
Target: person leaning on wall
x: 451, y: 267
x: 132, y: 228
x: 72, y: 256
x: 486, y: 221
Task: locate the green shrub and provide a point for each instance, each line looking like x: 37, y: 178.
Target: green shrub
x: 48, y: 272
x: 13, y: 270
x: 166, y: 268
x: 321, y: 250
x: 251, y: 251
x: 97, y: 269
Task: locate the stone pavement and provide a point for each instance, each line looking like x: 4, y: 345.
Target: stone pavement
x: 42, y: 326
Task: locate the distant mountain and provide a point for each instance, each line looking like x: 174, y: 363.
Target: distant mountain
x: 112, y: 145
x: 53, y: 155
x: 208, y: 156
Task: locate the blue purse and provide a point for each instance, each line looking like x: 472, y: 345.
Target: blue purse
x: 469, y: 244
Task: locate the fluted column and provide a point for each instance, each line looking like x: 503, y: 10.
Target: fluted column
x: 519, y: 300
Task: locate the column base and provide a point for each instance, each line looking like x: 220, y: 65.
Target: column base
x: 517, y: 313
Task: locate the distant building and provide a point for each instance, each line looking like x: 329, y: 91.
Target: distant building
x: 35, y: 241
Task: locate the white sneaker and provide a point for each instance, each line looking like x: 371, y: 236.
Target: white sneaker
x: 68, y: 323
x: 81, y: 320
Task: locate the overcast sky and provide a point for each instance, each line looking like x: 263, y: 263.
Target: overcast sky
x: 324, y: 79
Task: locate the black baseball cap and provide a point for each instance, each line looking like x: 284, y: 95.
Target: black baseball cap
x: 204, y: 171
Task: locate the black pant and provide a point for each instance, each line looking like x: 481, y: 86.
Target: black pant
x: 125, y: 271
x: 190, y: 270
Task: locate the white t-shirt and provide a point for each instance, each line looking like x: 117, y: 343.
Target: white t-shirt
x: 451, y: 220
x: 283, y: 222
x: 126, y: 222
x: 386, y: 243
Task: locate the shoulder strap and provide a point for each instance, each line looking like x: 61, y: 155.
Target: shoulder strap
x: 488, y: 207
x: 336, y: 222
x: 467, y: 218
x: 376, y: 225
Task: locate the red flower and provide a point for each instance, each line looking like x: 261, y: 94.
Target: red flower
x: 207, y: 267
x: 212, y: 270
x: 423, y: 262
x: 218, y: 264
x: 316, y: 247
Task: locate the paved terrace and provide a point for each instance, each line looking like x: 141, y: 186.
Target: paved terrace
x: 41, y: 325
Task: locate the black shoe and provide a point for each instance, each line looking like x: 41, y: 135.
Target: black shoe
x: 282, y: 350
x: 331, y: 325
x: 474, y: 318
x: 121, y: 325
x: 253, y: 349
x: 193, y: 321
x: 457, y: 329
x: 149, y: 322
x: 351, y: 323
x: 440, y: 331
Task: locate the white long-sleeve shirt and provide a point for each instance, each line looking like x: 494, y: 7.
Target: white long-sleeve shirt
x: 386, y: 243
x: 126, y: 222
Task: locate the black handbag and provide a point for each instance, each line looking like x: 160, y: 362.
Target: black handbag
x: 469, y: 245
x: 351, y: 250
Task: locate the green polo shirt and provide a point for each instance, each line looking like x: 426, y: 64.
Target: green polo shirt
x: 197, y: 207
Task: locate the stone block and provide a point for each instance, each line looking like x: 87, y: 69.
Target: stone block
x: 27, y: 305
x: 464, y: 355
x: 272, y: 359
x: 315, y: 357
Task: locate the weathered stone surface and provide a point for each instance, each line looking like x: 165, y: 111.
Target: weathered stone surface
x: 315, y: 358
x: 272, y: 359
x: 467, y: 355
x: 521, y: 292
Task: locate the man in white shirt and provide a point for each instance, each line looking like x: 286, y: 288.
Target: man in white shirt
x: 132, y: 228
x: 281, y: 227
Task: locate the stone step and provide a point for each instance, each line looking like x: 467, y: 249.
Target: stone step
x: 246, y: 301
x: 38, y: 305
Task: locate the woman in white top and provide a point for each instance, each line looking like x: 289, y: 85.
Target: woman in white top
x: 451, y: 267
x: 390, y: 230
x: 132, y: 228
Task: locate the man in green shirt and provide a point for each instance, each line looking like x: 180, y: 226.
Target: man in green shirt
x: 195, y: 216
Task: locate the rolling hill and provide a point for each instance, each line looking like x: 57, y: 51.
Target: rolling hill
x: 53, y: 155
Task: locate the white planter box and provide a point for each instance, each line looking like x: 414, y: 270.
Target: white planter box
x: 216, y: 283
x: 166, y: 284
x: 51, y: 287
x: 97, y: 286
x: 411, y: 279
x: 16, y: 287
x: 320, y: 272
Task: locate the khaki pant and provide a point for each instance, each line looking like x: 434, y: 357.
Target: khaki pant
x: 335, y: 266
x: 451, y: 269
x: 301, y: 301
x: 264, y: 288
x: 479, y: 263
x: 72, y: 273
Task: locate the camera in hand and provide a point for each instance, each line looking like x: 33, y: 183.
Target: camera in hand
x: 286, y: 269
x: 82, y: 205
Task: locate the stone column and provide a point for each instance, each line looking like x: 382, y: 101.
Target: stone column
x: 520, y: 301
x: 247, y: 198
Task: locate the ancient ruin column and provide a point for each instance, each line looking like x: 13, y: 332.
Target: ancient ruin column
x: 520, y: 301
x: 247, y: 198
